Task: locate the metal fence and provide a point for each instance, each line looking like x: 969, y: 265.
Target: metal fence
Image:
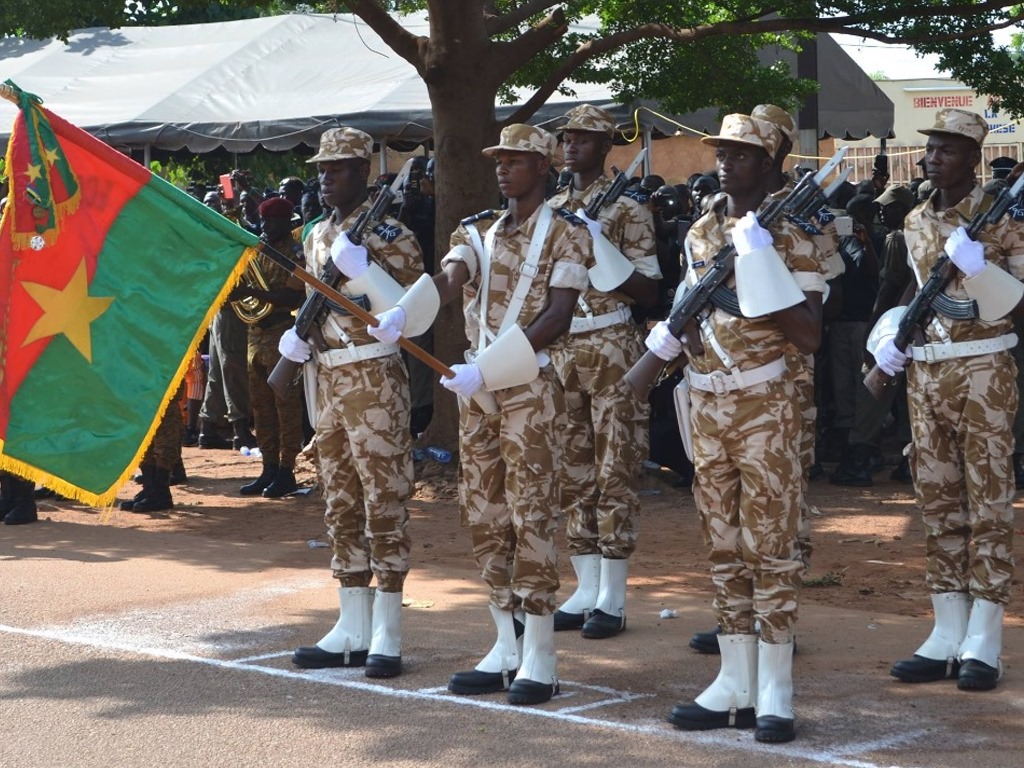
x: 903, y: 161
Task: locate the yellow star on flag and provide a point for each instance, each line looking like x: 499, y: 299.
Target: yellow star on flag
x: 50, y: 155
x: 34, y: 172
x: 69, y: 311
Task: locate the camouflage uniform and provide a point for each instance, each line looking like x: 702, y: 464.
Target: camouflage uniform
x: 278, y: 420
x: 164, y: 451
x: 607, y: 434
x: 747, y: 445
x: 362, y: 426
x: 510, y: 459
x: 962, y: 412
x: 822, y: 229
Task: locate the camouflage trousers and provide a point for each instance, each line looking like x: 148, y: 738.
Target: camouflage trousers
x: 509, y: 492
x: 278, y: 420
x: 804, y: 383
x: 364, y: 452
x: 747, y: 458
x: 164, y: 449
x: 605, y: 440
x: 961, y: 415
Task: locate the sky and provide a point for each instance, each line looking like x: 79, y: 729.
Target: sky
x: 897, y: 62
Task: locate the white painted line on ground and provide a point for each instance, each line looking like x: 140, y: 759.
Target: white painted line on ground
x: 839, y: 755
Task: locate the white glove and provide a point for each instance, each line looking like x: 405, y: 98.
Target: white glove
x: 390, y: 325
x: 662, y: 343
x: 594, y: 227
x: 350, y: 259
x: 294, y: 348
x: 890, y: 359
x: 748, y: 235
x: 467, y: 380
x: 968, y: 255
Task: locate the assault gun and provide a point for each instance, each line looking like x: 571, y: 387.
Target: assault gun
x: 931, y: 296
x: 315, y: 308
x: 805, y: 198
x: 616, y: 188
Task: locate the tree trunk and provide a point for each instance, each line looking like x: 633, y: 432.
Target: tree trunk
x: 465, y: 183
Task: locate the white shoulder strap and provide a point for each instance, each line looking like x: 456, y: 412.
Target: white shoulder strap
x: 528, y: 269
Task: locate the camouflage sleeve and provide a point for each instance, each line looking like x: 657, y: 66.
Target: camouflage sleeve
x: 395, y: 248
x: 1012, y: 241
x: 631, y: 230
x: 571, y: 248
x: 802, y: 255
x: 461, y: 250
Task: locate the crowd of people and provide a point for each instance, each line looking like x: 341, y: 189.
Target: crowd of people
x: 562, y: 296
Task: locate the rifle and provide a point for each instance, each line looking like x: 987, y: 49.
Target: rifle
x: 616, y: 188
x: 806, y: 197
x: 931, y: 296
x: 314, y: 309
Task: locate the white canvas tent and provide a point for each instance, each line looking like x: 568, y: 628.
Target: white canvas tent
x: 280, y: 81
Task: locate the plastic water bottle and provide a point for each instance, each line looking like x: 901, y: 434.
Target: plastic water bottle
x: 244, y: 450
x: 439, y: 454
x: 256, y: 453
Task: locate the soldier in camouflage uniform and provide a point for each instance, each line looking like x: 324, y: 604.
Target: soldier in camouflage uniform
x: 159, y: 461
x: 362, y: 415
x: 278, y: 420
x: 520, y: 273
x: 961, y: 387
x: 607, y: 435
x: 821, y: 227
x: 746, y: 428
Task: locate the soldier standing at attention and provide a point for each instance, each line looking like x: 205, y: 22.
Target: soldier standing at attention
x: 607, y: 436
x: 362, y: 416
x: 520, y: 272
x: 961, y: 389
x: 746, y: 427
x: 822, y: 228
x: 278, y: 420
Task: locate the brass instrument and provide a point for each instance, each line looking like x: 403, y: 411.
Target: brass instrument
x: 250, y: 309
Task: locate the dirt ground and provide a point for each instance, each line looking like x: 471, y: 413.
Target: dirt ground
x: 868, y: 542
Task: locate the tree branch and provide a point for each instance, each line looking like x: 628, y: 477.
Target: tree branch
x: 848, y: 25
x: 497, y: 25
x: 391, y: 32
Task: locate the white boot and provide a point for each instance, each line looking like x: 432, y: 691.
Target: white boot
x: 609, y: 617
x: 774, y: 692
x: 729, y: 701
x: 577, y: 609
x: 980, y: 667
x: 937, y: 658
x: 497, y: 669
x: 385, y: 657
x: 346, y: 645
x: 536, y: 681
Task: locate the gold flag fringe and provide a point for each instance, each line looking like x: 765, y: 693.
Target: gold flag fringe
x: 106, y: 499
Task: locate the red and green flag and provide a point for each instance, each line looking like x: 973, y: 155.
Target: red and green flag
x: 109, y: 277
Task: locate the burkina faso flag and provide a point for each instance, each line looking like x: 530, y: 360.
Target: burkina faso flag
x: 108, y: 278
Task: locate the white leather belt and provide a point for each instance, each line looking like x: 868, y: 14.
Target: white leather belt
x: 584, y: 324
x: 345, y: 355
x: 933, y: 353
x: 720, y: 382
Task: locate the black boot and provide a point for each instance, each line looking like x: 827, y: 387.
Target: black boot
x: 22, y: 500
x: 706, y: 642
x: 157, y: 493
x: 854, y: 468
x: 178, y: 475
x: 267, y: 476
x: 282, y: 485
x: 901, y: 474
x: 243, y: 438
x: 209, y: 437
x: 145, y: 477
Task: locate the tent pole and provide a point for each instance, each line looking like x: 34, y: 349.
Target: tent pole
x: 146, y: 155
x: 648, y: 164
